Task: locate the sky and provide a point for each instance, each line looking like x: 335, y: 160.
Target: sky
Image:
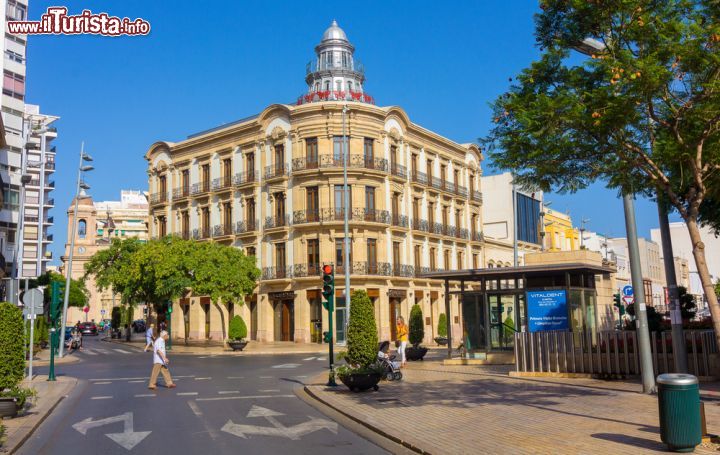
x: 208, y: 63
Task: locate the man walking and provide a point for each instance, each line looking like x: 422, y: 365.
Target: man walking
x: 149, y: 337
x: 160, y: 363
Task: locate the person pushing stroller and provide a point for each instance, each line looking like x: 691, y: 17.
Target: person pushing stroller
x: 391, y: 368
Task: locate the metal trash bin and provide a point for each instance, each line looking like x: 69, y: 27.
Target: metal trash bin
x: 679, y: 406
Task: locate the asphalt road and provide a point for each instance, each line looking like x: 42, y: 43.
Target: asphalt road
x: 222, y: 404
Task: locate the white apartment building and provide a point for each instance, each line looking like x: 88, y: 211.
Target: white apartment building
x: 682, y: 249
x: 653, y: 270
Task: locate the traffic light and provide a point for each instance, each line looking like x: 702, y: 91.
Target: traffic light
x: 169, y: 310
x: 618, y: 303
x: 55, y: 306
x: 327, y: 337
x: 328, y: 290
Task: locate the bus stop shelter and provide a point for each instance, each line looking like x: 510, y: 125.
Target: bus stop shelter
x: 496, y: 303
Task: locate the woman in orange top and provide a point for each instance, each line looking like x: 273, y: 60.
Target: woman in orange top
x: 402, y: 335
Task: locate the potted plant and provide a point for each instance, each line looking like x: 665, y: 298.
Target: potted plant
x: 17, y: 396
x: 416, y: 335
x: 362, y: 371
x: 441, y: 339
x: 237, y: 333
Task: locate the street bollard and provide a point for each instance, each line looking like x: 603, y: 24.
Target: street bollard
x: 679, y: 407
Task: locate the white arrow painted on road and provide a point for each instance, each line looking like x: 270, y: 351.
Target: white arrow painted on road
x: 127, y: 439
x: 294, y: 432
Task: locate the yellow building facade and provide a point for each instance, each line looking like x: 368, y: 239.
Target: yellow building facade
x: 559, y: 233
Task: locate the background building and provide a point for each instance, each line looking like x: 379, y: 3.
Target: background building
x: 682, y: 250
x: 559, y: 233
x: 273, y: 186
x: 653, y: 269
x: 98, y: 224
x: 497, y: 220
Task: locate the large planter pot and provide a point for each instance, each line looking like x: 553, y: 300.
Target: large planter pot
x: 358, y: 382
x: 237, y: 345
x: 8, y: 407
x: 415, y: 353
x: 442, y: 341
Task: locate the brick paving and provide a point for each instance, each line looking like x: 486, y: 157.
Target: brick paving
x: 479, y: 409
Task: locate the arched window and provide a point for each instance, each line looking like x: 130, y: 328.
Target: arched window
x: 82, y: 229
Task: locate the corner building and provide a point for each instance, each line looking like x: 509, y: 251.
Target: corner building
x: 273, y: 186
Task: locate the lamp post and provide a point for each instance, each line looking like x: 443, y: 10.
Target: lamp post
x: 68, y: 271
x: 590, y: 46
x: 543, y: 211
x: 346, y: 253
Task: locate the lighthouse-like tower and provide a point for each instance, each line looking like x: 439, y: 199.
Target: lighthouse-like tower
x: 335, y: 74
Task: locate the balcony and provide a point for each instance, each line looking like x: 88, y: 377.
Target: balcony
x: 222, y: 183
x: 201, y: 234
x: 47, y: 238
x: 181, y: 193
x: 222, y: 230
x: 419, y: 177
x: 50, y: 184
x: 476, y: 196
x: 272, y: 222
x: 243, y: 178
x: 477, y: 236
x: 200, y: 188
x: 461, y: 233
x: 32, y: 219
x: 331, y: 161
x: 307, y: 270
x: 403, y: 270
x: 306, y: 216
x: 50, y: 165
x: 50, y: 203
x: 32, y: 200
x: 277, y: 273
x: 158, y: 198
x: 243, y: 227
x: 276, y: 171
x: 420, y: 225
x: 398, y: 170
x: 376, y: 216
x: 437, y: 228
x: 328, y: 95
x: 49, y: 220
x: 34, y: 182
x: 399, y: 221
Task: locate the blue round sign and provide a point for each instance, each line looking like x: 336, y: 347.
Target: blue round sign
x: 627, y: 291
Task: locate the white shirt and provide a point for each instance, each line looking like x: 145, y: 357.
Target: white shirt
x: 159, y: 346
x: 149, y: 333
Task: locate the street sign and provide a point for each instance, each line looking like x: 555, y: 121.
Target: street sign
x: 33, y: 302
x: 627, y: 291
x: 86, y: 309
x: 102, y: 312
x: 628, y: 299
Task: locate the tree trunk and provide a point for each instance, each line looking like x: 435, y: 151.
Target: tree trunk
x: 708, y: 288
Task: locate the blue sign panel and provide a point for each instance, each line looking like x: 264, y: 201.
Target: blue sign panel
x: 547, y: 310
x: 627, y: 291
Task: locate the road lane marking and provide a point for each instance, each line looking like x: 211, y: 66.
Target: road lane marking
x: 183, y: 394
x: 251, y: 397
x: 131, y: 379
x: 268, y: 390
x: 309, y: 358
x: 107, y: 397
x: 88, y: 352
x: 142, y: 380
x: 143, y: 395
x: 195, y: 408
x: 121, y: 351
x: 287, y: 365
x: 225, y: 392
x: 202, y: 379
x: 102, y: 382
x: 322, y: 359
x: 236, y: 377
x: 102, y: 351
x: 266, y: 377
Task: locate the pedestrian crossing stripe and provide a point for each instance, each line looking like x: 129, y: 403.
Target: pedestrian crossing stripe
x: 309, y: 358
x: 121, y: 351
x: 88, y: 352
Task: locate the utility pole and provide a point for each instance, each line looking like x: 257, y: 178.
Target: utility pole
x: 583, y: 222
x: 678, y: 336
x: 646, y: 365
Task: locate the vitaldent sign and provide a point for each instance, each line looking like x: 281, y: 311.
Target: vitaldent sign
x: 547, y: 310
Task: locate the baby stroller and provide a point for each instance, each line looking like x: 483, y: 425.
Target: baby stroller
x: 391, y: 368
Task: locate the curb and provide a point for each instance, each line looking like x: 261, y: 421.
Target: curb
x: 367, y: 425
x: 228, y: 353
x: 19, y: 444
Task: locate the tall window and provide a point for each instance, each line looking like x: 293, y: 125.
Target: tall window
x: 475, y: 261
x: 372, y: 255
x: 205, y: 222
x: 413, y: 165
x: 431, y: 214
x: 280, y: 208
x: 393, y: 158
x: 227, y: 171
x: 311, y: 153
x: 185, y: 224
x: 227, y: 217
x: 162, y: 226
x: 340, y: 200
x: 338, y: 150
x: 396, y: 254
x: 417, y: 256
x: 312, y: 201
x: 416, y: 208
x: 370, y: 203
x: 313, y: 256
x: 395, y: 201
x: 429, y: 170
x: 250, y: 166
x: 185, y: 181
x: 473, y: 224
x: 205, y: 171
x: 251, y: 214
x: 460, y: 263
x: 339, y: 254
x: 279, y: 157
x: 445, y: 216
x: 471, y: 183
x: 456, y: 182
x: 443, y: 177
x: 432, y: 259
x: 446, y: 255
x: 82, y: 229
x: 368, y: 151
x: 280, y: 259
x: 162, y: 186
x: 457, y: 219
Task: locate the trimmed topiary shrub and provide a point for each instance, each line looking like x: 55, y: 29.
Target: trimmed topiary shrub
x: 238, y: 329
x: 12, y: 363
x: 362, y: 337
x: 442, y: 325
x: 417, y: 329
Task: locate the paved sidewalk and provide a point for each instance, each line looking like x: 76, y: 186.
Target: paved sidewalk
x: 480, y: 409
x: 49, y: 394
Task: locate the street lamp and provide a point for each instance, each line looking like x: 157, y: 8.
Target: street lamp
x: 591, y: 46
x: 543, y: 225
x: 81, y: 185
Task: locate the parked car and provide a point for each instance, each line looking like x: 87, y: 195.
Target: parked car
x: 88, y: 328
x: 138, y: 326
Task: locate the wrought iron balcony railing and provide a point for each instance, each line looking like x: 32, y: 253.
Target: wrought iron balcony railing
x: 420, y: 225
x: 478, y: 236
x: 199, y: 234
x: 182, y: 192
x: 277, y: 273
x: 242, y: 227
x: 222, y: 183
x: 276, y: 170
x: 398, y: 170
x: 437, y: 228
x: 306, y: 216
x: 158, y: 198
x: 199, y: 188
x: 222, y: 229
x: 399, y: 220
x: 331, y: 161
x: 476, y: 196
x: 461, y: 233
x: 241, y: 178
x: 277, y: 221
x: 306, y: 270
x: 419, y: 177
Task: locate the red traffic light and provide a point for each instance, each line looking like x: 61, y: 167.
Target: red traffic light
x: 327, y: 269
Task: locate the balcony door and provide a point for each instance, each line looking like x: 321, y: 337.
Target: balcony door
x: 279, y: 159
x: 372, y: 256
x: 311, y: 153
x: 313, y: 257
x: 312, y: 204
x: 280, y: 260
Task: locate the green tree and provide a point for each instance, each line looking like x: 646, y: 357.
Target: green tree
x: 362, y: 337
x: 78, y: 296
x: 12, y: 361
x: 641, y: 113
x: 688, y: 308
x: 442, y: 325
x: 116, y: 317
x: 238, y: 329
x: 417, y: 326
